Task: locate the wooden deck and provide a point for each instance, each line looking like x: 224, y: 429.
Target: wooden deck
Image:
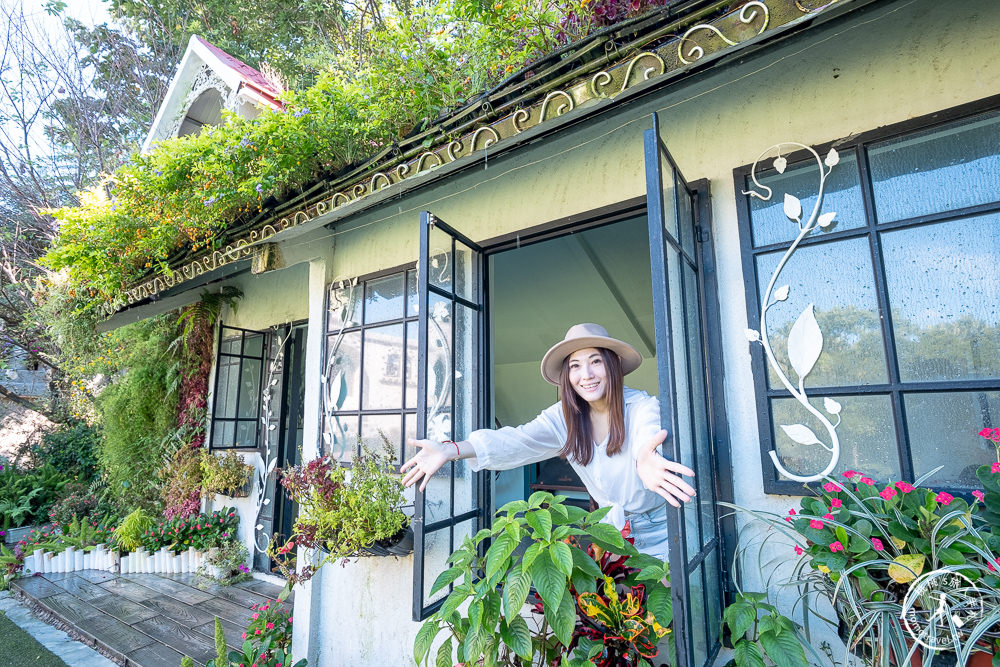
x: 147, y: 620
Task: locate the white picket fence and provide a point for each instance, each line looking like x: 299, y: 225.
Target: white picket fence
x: 163, y: 561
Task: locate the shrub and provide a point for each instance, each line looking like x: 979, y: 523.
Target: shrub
x: 231, y: 559
x: 139, y: 413
x: 27, y: 495
x: 78, y: 502
x: 202, y: 531
x: 129, y: 533
x: 71, y: 450
x: 182, y: 491
x: 224, y: 474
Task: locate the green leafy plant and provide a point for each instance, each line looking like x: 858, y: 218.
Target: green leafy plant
x: 129, y: 533
x: 230, y: 558
x: 758, y: 630
x: 71, y: 450
x: 225, y: 474
x: 27, y: 494
x: 342, y: 513
x: 494, y: 588
x: 187, y: 662
x: 221, y: 650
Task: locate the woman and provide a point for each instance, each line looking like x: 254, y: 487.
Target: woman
x: 608, y: 432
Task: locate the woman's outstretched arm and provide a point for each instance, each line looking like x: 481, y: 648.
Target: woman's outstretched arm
x: 432, y: 455
x: 663, y: 476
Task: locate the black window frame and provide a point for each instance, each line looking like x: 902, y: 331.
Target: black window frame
x: 405, y: 371
x: 857, y: 146
x: 241, y: 356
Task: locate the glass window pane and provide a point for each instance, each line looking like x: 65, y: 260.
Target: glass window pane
x: 231, y: 345
x: 837, y: 279
x: 384, y: 299
x: 249, y: 397
x: 440, y: 369
x: 842, y: 194
x: 410, y: 369
x: 341, y: 437
x: 253, y: 345
x: 225, y: 398
x: 698, y: 634
x: 944, y: 429
x: 246, y: 434
x: 381, y: 432
x: 682, y: 401
x: 944, y: 290
x: 409, y: 432
x: 466, y: 273
x: 342, y: 373
x: 223, y: 434
x: 705, y: 469
x: 667, y: 177
x: 382, y: 384
x: 412, y: 298
x: 686, y: 218
x: 713, y: 594
x: 938, y: 170
x: 345, y: 307
x: 440, y: 259
x: 867, y: 437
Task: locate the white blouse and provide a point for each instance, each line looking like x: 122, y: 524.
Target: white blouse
x: 611, y: 480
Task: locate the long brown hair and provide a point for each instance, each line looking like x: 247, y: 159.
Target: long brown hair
x: 576, y: 411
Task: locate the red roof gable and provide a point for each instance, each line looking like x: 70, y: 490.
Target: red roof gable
x: 250, y: 77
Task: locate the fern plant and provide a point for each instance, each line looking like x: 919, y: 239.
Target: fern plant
x: 128, y: 535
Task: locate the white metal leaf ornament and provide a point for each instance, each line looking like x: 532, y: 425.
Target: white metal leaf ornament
x: 805, y: 340
x: 793, y: 207
x: 805, y: 343
x: 801, y: 434
x: 832, y: 158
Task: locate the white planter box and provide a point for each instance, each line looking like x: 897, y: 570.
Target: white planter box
x: 100, y: 558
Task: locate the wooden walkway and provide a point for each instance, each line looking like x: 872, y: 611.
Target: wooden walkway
x: 147, y: 620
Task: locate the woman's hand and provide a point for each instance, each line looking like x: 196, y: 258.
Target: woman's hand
x: 426, y: 462
x: 662, y: 476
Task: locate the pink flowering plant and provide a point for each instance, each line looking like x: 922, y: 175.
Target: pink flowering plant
x: 267, y: 641
x: 201, y: 531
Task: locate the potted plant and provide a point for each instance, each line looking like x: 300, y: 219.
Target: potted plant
x: 911, y: 572
x: 345, y: 512
x: 227, y: 475
x: 606, y: 605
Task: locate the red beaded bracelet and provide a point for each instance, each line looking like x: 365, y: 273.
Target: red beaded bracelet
x: 458, y: 453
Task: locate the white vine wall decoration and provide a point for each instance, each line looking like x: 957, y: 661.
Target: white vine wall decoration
x: 270, y: 458
x: 805, y: 340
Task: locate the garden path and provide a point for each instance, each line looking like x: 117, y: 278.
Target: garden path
x: 147, y: 620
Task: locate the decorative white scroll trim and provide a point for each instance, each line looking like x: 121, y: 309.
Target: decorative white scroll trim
x: 805, y: 340
x: 268, y: 462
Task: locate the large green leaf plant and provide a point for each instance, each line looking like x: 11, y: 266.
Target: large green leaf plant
x: 534, y: 546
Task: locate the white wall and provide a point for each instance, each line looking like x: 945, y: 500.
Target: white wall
x: 894, y: 62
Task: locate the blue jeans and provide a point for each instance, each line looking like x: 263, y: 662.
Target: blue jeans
x: 650, y: 531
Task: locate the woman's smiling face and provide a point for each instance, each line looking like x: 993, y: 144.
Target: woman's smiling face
x: 588, y: 375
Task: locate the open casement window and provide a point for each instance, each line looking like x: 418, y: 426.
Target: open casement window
x: 681, y: 256
x: 449, y: 399
x: 239, y: 372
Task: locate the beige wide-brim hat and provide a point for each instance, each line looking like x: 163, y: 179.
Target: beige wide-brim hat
x: 584, y: 335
